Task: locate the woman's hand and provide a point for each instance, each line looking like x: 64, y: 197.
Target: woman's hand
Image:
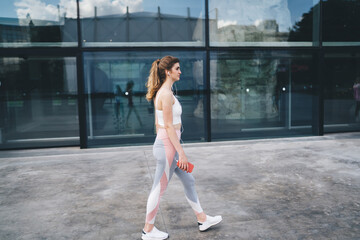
x: 183, y: 162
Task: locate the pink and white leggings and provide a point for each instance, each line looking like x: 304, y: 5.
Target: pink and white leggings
x: 166, y: 156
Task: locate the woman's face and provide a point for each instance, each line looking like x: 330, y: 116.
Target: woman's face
x: 175, y: 72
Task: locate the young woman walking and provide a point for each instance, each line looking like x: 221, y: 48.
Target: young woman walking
x: 167, y: 148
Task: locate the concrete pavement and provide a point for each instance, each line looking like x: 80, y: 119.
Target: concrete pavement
x: 289, y: 188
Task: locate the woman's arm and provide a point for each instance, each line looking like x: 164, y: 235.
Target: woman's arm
x: 167, y: 104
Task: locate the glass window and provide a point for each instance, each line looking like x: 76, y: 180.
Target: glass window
x: 341, y: 20
x: 38, y: 102
x: 142, y: 23
x: 117, y: 111
x: 25, y: 23
x: 260, y: 93
x: 264, y: 23
x: 342, y: 92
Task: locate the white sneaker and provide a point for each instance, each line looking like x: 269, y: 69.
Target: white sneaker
x: 155, y: 234
x: 210, y: 221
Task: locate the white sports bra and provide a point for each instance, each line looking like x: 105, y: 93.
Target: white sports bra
x: 176, y: 111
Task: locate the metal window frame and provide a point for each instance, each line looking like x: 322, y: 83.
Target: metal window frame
x: 78, y: 52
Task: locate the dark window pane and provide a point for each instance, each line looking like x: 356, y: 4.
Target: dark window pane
x: 264, y: 23
x: 38, y: 23
x: 142, y: 23
x: 117, y: 111
x: 38, y: 102
x: 341, y: 22
x: 259, y: 94
x: 341, y: 102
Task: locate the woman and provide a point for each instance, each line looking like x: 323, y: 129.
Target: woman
x: 167, y: 148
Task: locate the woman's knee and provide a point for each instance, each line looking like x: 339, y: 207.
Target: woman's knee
x: 189, y: 181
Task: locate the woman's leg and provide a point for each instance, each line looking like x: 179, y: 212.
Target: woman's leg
x: 357, y: 109
x: 188, y: 182
x: 164, y: 152
x: 204, y: 221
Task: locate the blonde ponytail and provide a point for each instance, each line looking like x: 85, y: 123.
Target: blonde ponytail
x: 153, y: 84
x: 157, y: 75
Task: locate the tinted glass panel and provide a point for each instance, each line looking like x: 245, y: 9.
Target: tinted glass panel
x: 38, y: 102
x: 26, y: 23
x: 259, y: 94
x: 142, y: 23
x: 342, y: 92
x: 117, y: 111
x: 264, y: 23
x: 341, y: 20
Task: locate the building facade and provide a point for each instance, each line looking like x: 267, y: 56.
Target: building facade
x: 74, y: 73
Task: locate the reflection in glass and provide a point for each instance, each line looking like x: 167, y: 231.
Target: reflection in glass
x: 341, y: 92
x: 38, y: 23
x: 38, y: 102
x: 257, y: 94
x: 117, y: 110
x: 277, y: 23
x: 138, y: 23
x: 341, y: 20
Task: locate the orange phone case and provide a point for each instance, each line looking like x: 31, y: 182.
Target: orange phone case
x: 190, y: 166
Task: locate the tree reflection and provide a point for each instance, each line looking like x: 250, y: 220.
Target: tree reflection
x: 340, y: 19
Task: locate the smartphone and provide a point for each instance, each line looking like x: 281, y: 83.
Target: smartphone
x: 190, y: 166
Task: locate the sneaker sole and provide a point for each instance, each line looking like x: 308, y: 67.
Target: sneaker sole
x: 202, y: 230
x: 150, y: 238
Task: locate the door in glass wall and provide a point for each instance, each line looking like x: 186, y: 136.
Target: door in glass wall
x: 342, y: 92
x: 26, y: 23
x: 260, y: 94
x: 142, y: 23
x: 340, y: 23
x: 117, y: 111
x: 38, y: 102
x: 264, y: 23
